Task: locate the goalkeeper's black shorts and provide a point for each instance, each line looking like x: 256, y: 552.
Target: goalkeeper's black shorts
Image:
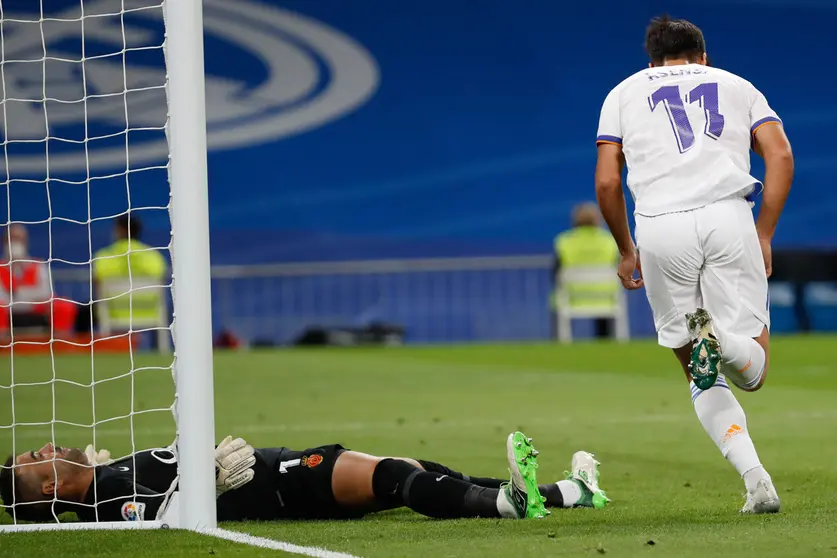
x: 304, y: 484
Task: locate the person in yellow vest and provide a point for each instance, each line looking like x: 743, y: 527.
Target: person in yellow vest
x: 588, y: 244
x: 129, y: 260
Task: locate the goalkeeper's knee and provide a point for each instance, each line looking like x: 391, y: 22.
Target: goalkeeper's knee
x: 391, y: 480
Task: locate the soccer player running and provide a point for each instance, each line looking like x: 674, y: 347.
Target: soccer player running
x: 684, y: 130
x: 325, y: 482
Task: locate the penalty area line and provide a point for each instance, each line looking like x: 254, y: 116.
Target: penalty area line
x: 262, y: 542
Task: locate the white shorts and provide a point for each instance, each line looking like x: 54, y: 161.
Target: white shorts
x: 705, y: 258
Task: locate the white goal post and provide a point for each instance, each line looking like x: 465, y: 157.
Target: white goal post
x: 190, y: 263
x: 193, y: 505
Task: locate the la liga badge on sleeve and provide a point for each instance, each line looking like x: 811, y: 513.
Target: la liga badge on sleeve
x: 133, y: 511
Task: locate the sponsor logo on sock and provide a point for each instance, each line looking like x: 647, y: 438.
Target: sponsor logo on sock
x: 732, y: 431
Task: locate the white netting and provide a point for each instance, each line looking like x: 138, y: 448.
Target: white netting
x: 84, y: 120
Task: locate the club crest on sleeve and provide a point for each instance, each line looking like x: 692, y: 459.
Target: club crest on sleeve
x: 133, y: 511
x: 312, y: 461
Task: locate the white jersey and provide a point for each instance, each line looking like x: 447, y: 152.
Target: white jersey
x: 686, y: 132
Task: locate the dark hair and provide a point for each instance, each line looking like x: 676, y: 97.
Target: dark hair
x: 7, y: 484
x: 667, y: 38
x: 130, y: 224
x: 11, y: 492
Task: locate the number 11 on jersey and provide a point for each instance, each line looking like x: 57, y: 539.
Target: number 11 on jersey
x: 706, y: 95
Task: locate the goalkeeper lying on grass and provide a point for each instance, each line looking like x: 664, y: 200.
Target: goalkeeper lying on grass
x: 326, y: 482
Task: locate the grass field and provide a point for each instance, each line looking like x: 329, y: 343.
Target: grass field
x: 628, y: 404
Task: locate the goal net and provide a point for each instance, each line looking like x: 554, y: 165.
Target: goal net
x: 105, y: 229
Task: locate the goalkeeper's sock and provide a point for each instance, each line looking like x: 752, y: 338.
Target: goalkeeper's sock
x: 725, y: 422
x: 556, y: 494
x: 398, y: 483
x: 744, y: 359
x: 486, y: 482
x: 562, y: 494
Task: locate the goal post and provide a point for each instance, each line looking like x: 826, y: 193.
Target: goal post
x: 192, y: 505
x: 190, y: 262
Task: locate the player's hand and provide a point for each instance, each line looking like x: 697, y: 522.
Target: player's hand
x: 767, y: 254
x: 101, y: 457
x: 628, y: 265
x: 234, y: 460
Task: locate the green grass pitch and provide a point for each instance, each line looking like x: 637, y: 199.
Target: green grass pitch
x: 627, y: 403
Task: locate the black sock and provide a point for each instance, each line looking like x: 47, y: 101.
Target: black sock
x: 487, y: 482
x: 396, y: 482
x: 554, y: 498
x: 433, y: 467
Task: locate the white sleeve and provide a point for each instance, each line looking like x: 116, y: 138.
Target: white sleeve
x: 760, y: 111
x: 610, y: 122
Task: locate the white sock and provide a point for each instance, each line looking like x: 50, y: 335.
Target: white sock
x: 723, y: 419
x: 744, y: 359
x: 505, y: 507
x: 570, y: 492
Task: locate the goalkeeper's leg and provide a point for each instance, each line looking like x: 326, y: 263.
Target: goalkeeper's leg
x: 566, y: 493
x: 366, y: 482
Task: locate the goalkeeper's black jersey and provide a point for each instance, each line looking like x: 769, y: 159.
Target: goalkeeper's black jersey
x: 130, y: 489
x: 135, y: 487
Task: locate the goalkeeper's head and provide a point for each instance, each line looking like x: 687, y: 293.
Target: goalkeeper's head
x: 33, y: 481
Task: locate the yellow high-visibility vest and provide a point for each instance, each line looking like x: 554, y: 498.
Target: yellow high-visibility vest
x: 586, y: 247
x: 131, y: 262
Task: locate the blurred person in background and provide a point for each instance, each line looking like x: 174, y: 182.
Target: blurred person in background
x: 129, y: 266
x: 587, y: 244
x: 26, y: 291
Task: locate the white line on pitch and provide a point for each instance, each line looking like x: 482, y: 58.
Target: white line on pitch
x: 271, y: 544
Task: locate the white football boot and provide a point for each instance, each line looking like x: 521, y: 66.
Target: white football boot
x: 584, y: 469
x: 763, y: 499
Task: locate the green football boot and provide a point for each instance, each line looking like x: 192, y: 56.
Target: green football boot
x: 705, y: 362
x: 585, y: 473
x: 522, y: 491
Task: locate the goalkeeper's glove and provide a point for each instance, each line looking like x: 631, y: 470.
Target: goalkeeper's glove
x: 234, y: 460
x: 101, y: 457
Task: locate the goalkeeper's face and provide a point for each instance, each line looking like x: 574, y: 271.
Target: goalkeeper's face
x: 50, y: 465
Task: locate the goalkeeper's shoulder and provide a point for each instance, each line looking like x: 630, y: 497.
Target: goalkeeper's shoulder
x: 115, y: 496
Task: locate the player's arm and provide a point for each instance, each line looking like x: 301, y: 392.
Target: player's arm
x: 772, y: 144
x: 612, y: 205
x: 609, y: 192
x: 770, y: 141
x: 610, y: 196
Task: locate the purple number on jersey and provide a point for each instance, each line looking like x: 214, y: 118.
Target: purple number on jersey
x: 706, y: 94
x: 669, y: 95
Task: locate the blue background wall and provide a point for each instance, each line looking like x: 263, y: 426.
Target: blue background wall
x: 481, y: 132
x: 378, y: 129
x: 479, y: 137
